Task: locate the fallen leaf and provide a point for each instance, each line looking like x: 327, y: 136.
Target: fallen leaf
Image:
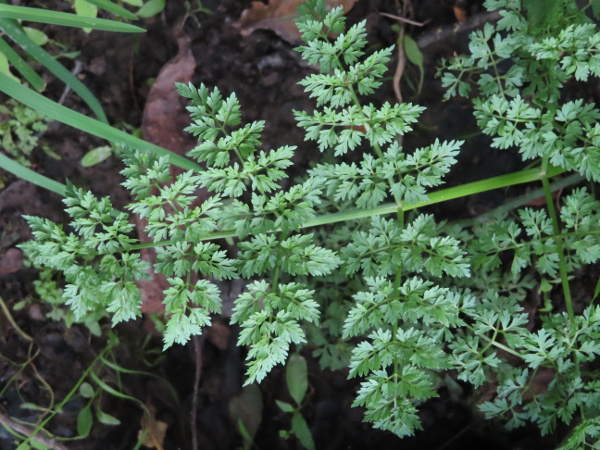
x: 164, y: 119
x: 152, y: 289
x: 165, y: 115
x: 278, y: 16
x: 11, y: 261
x: 153, y: 431
x: 218, y: 334
x: 460, y: 13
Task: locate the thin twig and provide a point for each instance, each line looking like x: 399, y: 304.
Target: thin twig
x: 449, y: 31
x: 27, y: 430
x: 455, y: 437
x: 401, y: 54
x: 198, y: 342
x: 404, y: 19
x: 399, y: 66
x: 76, y: 70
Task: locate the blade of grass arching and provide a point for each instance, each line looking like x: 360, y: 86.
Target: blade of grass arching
x: 16, y: 33
x: 69, y: 117
x: 118, y: 368
x: 21, y: 65
x: 29, y: 175
x: 112, y: 391
x: 476, y: 187
x: 111, y: 7
x: 503, y: 209
x: 64, y: 19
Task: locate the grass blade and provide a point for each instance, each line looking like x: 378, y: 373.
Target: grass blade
x: 16, y: 33
x: 29, y: 175
x: 22, y: 67
x: 476, y: 187
x: 111, y: 7
x: 69, y: 117
x: 64, y: 19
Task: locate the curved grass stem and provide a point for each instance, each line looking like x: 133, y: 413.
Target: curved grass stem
x: 562, y: 264
x: 12, y: 322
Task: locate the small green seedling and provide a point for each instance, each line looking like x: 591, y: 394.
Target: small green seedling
x: 296, y: 375
x: 20, y: 130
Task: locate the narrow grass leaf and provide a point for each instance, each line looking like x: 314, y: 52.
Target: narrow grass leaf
x: 21, y: 66
x: 111, y: 7
x: 134, y: 2
x: 29, y: 175
x: 64, y: 19
x: 86, y: 124
x: 113, y: 391
x: 16, y: 33
x: 476, y: 187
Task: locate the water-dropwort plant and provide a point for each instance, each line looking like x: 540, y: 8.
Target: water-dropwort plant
x: 342, y: 259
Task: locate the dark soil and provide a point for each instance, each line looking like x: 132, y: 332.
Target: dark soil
x: 262, y: 69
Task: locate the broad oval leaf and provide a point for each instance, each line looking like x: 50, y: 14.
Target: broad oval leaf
x: 296, y: 375
x: 151, y: 8
x: 106, y: 419
x: 85, y: 9
x: 413, y: 52
x: 85, y: 421
x: 96, y: 156
x: 37, y: 36
x: 86, y: 390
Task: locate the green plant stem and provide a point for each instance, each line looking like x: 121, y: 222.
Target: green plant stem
x: 498, y: 344
x: 562, y: 264
x: 12, y: 322
x: 69, y: 396
x: 275, y: 278
x: 22, y: 430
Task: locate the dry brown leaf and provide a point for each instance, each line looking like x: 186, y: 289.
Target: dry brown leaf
x: 279, y: 16
x: 164, y: 117
x: 11, y: 261
x: 152, y: 289
x: 460, y: 13
x: 218, y: 334
x: 155, y: 432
